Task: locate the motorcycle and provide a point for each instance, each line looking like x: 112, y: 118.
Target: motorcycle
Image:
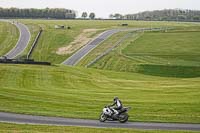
x: 121, y: 115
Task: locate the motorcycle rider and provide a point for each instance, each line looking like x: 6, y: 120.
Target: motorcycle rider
x: 116, y: 106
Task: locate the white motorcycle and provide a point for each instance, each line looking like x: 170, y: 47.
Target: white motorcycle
x: 121, y: 115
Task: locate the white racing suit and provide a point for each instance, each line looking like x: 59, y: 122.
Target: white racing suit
x: 116, y: 106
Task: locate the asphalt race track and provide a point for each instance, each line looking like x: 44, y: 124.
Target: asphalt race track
x: 42, y: 120
x: 22, y: 42
x: 75, y: 58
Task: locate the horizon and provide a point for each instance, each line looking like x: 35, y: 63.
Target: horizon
x: 103, y: 10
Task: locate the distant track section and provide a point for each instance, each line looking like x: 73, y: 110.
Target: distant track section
x: 22, y: 42
x: 41, y: 120
x: 108, y: 50
x: 76, y: 57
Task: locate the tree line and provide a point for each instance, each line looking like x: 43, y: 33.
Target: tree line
x: 161, y: 15
x: 57, y: 13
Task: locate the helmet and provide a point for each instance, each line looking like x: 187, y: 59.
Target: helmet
x: 115, y: 98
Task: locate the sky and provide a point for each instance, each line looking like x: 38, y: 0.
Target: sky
x: 103, y: 8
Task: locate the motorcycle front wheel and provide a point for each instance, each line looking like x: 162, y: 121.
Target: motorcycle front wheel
x: 102, y: 117
x: 123, y: 118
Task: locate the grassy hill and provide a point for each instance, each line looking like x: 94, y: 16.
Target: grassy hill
x: 82, y: 93
x: 52, y: 39
x: 9, y: 35
x: 173, y: 53
x: 156, y: 73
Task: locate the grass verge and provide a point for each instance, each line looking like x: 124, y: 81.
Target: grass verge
x: 7, y: 128
x: 173, y: 53
x: 82, y: 93
x: 9, y: 36
x: 52, y: 39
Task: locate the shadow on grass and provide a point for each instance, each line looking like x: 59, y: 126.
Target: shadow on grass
x: 169, y: 71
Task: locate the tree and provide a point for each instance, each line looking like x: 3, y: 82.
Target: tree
x: 59, y: 13
x: 92, y: 15
x: 118, y: 16
x: 163, y: 15
x: 196, y: 18
x: 84, y: 15
x: 111, y: 16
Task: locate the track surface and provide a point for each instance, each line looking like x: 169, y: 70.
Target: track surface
x: 77, y: 56
x: 22, y: 42
x: 29, y: 119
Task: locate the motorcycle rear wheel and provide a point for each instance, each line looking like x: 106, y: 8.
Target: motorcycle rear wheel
x: 102, y: 117
x: 123, y: 118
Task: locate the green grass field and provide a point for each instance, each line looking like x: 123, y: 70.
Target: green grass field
x: 82, y: 93
x: 7, y: 128
x: 9, y: 35
x: 178, y: 48
x: 52, y: 39
x: 156, y: 73
x: 170, y: 54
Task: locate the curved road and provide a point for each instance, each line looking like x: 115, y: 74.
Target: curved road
x: 29, y: 119
x: 22, y: 42
x: 77, y: 56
